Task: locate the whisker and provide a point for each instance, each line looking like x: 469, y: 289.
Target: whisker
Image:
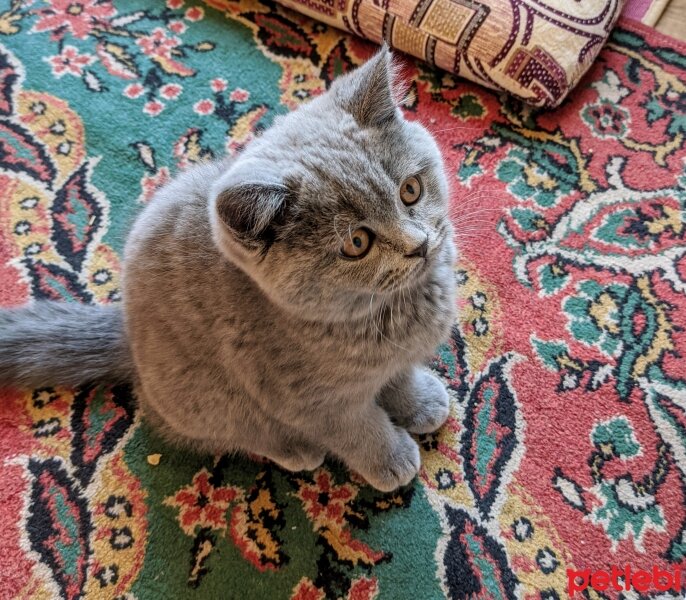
x: 461, y: 128
x: 472, y: 202
x: 469, y: 228
x: 335, y: 229
x: 392, y: 328
x: 470, y: 237
x: 377, y: 327
x: 453, y: 128
x: 473, y: 232
x: 478, y: 211
x: 487, y: 213
x: 483, y: 189
x: 467, y: 224
x: 477, y: 194
x: 475, y: 215
x: 475, y: 227
x: 474, y: 210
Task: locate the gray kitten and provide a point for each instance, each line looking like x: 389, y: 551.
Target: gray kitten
x: 282, y: 303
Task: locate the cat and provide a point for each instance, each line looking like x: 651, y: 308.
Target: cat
x: 281, y: 303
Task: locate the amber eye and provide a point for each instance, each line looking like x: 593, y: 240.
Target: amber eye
x: 357, y: 244
x: 411, y: 190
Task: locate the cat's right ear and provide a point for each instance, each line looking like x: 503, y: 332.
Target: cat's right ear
x: 369, y: 92
x: 249, y: 201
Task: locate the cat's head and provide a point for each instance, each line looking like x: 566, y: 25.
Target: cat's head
x: 338, y: 200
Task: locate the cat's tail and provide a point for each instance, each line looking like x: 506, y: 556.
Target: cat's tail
x: 56, y: 343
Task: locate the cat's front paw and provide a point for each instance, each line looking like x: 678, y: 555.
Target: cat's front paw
x: 305, y: 458
x: 432, y: 406
x: 417, y: 401
x: 397, y: 467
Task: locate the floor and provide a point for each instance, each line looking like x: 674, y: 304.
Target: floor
x: 673, y: 20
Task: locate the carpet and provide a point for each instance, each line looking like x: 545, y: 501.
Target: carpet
x: 566, y: 446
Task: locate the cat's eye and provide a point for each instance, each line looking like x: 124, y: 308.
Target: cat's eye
x: 411, y: 190
x: 357, y: 244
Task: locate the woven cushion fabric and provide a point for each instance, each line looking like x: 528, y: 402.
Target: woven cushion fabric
x: 647, y: 12
x: 535, y: 49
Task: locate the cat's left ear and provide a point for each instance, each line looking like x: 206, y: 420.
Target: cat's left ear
x: 368, y: 92
x: 249, y: 200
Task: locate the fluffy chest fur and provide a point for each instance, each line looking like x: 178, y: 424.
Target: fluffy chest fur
x: 188, y: 308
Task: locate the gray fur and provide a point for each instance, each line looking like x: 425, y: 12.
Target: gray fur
x: 249, y: 331
x: 63, y: 344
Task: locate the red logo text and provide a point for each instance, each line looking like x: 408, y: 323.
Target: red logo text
x: 625, y: 579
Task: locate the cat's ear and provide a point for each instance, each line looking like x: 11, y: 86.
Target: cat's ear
x: 249, y: 201
x: 368, y: 92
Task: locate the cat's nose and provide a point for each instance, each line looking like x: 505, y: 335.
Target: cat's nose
x: 420, y: 251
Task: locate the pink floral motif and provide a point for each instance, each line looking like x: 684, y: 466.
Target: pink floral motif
x: 134, y: 90
x: 151, y: 183
x: 325, y: 503
x: 362, y: 588
x: 69, y: 62
x: 218, y: 84
x: 79, y: 17
x: 239, y: 95
x: 177, y: 27
x: 158, y: 44
x: 204, y: 107
x: 153, y: 108
x: 306, y: 590
x: 201, y: 504
x: 174, y: 4
x: 171, y: 91
x: 195, y: 13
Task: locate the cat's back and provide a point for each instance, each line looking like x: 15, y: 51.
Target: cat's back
x: 176, y: 281
x: 176, y: 215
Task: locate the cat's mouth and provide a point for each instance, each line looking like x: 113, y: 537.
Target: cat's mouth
x: 429, y: 261
x: 419, y: 268
x: 417, y: 272
x: 395, y: 281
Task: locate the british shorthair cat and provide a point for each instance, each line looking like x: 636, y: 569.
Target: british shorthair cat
x: 284, y: 302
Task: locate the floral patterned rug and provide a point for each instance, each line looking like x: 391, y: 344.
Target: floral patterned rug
x: 566, y: 448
